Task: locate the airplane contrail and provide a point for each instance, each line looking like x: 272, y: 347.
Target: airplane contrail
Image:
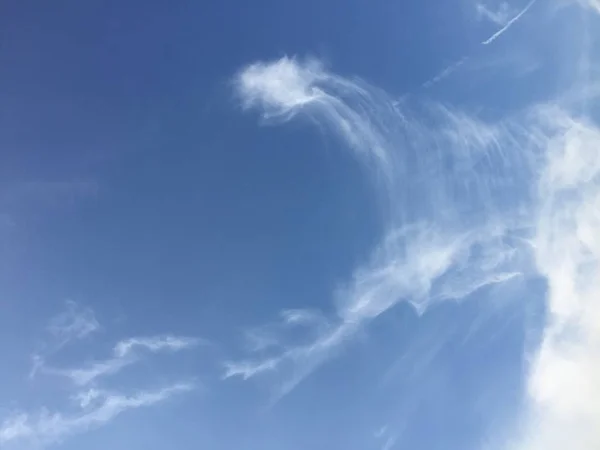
x: 446, y: 72
x: 500, y: 32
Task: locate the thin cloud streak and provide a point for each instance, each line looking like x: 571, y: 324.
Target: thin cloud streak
x: 154, y: 344
x: 91, y: 405
x: 509, y: 24
x: 449, y: 70
x: 125, y: 353
x: 45, y: 427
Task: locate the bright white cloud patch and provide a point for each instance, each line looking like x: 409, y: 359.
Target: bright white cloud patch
x: 284, y: 88
x: 564, y: 382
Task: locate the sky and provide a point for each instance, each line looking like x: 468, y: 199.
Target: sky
x: 286, y: 225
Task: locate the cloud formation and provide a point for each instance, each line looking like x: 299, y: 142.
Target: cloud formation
x: 91, y: 404
x: 563, y: 383
x: 513, y: 197
x: 499, y: 15
x: 125, y: 353
x: 96, y: 409
x: 459, y: 237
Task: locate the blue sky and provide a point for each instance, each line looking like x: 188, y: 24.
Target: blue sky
x: 290, y: 225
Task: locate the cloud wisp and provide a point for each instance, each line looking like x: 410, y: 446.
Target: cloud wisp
x: 459, y: 238
x: 501, y: 17
x: 125, y: 353
x: 91, y: 404
x: 96, y: 408
x: 517, y: 196
x: 76, y: 322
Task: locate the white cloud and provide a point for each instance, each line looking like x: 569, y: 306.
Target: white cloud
x: 564, y: 386
x: 592, y: 4
x: 449, y: 70
x: 282, y: 89
x: 45, y: 427
x: 124, y: 355
x: 386, y: 437
x: 96, y: 405
x: 154, y: 344
x: 77, y: 322
x: 451, y: 243
x: 517, y: 197
x: 90, y: 372
x: 248, y: 369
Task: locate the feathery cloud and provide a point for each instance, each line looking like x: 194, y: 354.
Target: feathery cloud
x: 455, y: 241
x: 154, y: 344
x: 516, y: 197
x: 97, y: 408
x: 284, y: 88
x: 94, y: 406
x: 499, y: 15
x: 125, y: 353
x: 74, y: 323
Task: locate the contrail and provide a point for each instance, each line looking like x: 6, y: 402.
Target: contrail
x: 508, y: 24
x: 446, y: 72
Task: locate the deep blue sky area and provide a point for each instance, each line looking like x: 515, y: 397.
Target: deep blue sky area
x: 188, y: 243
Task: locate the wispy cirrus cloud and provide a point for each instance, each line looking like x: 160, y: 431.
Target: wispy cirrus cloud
x: 154, y: 344
x: 76, y: 322
x: 499, y: 14
x: 285, y: 88
x: 125, y: 353
x: 96, y: 409
x: 431, y: 251
x: 516, y: 196
x: 92, y: 405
